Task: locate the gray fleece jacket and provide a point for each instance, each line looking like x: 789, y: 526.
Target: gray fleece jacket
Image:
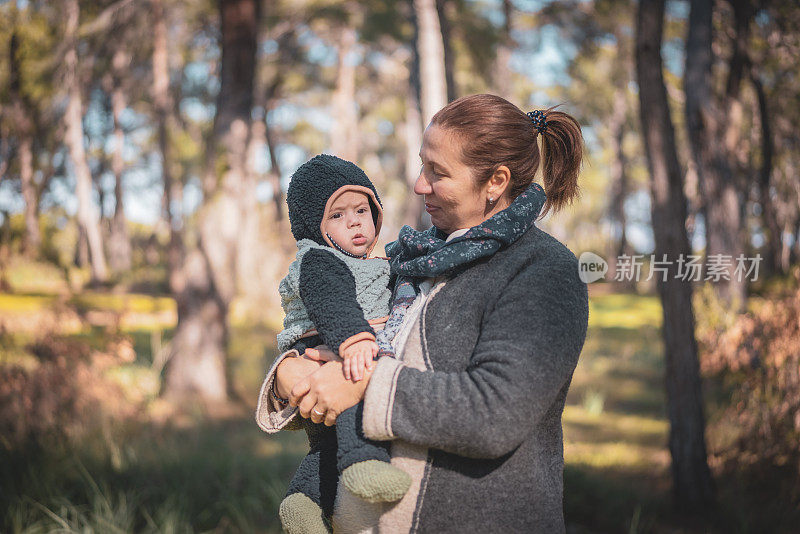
x: 473, y: 401
x: 364, y: 280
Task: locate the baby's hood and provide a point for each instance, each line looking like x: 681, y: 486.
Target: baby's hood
x: 316, y: 185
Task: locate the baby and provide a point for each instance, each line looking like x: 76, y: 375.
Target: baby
x: 337, y: 295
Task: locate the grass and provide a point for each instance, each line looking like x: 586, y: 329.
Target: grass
x: 615, y: 430
x: 198, y: 473
x: 214, y: 476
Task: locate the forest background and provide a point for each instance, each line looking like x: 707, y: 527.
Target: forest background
x: 145, y: 150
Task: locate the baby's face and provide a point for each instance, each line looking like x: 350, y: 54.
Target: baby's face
x: 349, y: 223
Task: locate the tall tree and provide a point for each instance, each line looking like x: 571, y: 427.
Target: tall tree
x: 21, y: 111
x: 707, y: 124
x: 433, y: 83
x: 119, y: 244
x: 503, y: 74
x: 73, y: 119
x: 769, y: 216
x: 692, y: 484
x: 413, y: 126
x: 197, y: 367
x: 617, y: 126
x: 344, y: 134
x: 444, y: 8
x: 166, y: 122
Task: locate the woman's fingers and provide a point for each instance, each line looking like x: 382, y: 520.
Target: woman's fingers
x: 321, y: 353
x: 314, y: 354
x: 307, y: 404
x: 330, y: 418
x: 357, y: 367
x: 317, y: 414
x: 299, y: 390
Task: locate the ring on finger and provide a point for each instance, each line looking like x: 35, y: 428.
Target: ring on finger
x: 318, y: 412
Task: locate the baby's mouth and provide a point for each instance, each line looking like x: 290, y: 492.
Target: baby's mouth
x: 359, y: 239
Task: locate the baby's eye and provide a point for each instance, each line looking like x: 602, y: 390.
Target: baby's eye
x: 361, y: 211
x: 335, y: 215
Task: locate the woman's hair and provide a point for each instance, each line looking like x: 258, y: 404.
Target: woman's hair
x: 495, y: 132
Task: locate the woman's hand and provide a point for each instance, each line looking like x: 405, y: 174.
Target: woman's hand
x: 290, y: 371
x: 322, y: 353
x: 327, y: 393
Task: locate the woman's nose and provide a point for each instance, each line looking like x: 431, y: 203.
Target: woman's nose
x: 422, y: 186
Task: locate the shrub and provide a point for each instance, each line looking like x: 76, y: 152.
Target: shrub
x: 758, y: 359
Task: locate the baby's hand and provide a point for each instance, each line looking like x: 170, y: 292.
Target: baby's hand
x: 357, y: 358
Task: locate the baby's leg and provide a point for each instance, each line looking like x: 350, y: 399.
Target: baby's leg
x: 308, y: 505
x: 364, y: 463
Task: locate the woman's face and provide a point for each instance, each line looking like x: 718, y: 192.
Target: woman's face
x: 452, y: 197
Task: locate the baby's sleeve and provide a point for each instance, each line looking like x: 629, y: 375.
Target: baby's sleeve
x: 328, y: 291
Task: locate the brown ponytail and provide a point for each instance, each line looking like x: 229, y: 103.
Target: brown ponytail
x: 495, y: 132
x: 562, y: 147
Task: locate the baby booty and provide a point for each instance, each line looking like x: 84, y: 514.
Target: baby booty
x: 301, y: 515
x: 376, y: 481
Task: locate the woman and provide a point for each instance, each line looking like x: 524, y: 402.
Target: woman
x: 486, y: 351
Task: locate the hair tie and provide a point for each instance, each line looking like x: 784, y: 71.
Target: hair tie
x: 538, y: 119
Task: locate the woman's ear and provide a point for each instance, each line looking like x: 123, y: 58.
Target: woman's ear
x: 498, y: 183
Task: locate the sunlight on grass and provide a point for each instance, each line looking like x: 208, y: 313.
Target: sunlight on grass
x: 27, y: 276
x: 136, y: 381
x: 624, y: 311
x: 620, y: 455
x: 632, y: 428
x: 128, y: 302
x: 25, y: 303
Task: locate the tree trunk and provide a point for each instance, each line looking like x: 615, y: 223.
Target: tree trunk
x: 414, y: 214
x: 32, y: 238
x: 444, y: 11
x: 274, y: 166
x: 705, y: 125
x: 503, y: 76
x: 769, y: 217
x: 692, y: 483
x: 23, y: 124
x: 73, y: 117
x: 413, y: 137
x: 165, y: 119
x: 619, y: 181
x: 433, y: 85
x: 119, y: 246
x: 197, y: 367
x: 344, y: 133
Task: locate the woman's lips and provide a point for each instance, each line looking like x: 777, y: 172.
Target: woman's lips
x: 430, y: 208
